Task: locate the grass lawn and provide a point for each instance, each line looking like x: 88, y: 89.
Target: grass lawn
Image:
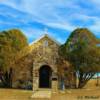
x: 90, y: 92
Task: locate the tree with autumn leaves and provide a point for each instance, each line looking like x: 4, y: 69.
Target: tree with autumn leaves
x: 11, y: 42
x: 83, y: 52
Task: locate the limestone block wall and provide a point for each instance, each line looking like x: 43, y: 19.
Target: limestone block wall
x: 44, y: 55
x: 41, y: 52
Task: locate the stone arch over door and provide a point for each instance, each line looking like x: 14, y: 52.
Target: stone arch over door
x: 45, y: 74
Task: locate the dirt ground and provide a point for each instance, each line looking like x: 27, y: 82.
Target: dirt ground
x: 90, y: 92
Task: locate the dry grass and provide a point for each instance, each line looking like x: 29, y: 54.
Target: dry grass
x: 13, y: 94
x: 90, y: 92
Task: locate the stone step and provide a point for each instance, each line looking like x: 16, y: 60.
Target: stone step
x: 42, y: 93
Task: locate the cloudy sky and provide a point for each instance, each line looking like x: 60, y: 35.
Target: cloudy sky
x: 60, y: 17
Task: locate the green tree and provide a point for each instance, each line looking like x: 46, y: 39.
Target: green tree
x: 11, y: 42
x: 82, y: 52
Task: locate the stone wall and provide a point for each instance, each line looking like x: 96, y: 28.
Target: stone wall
x: 42, y: 52
x: 45, y: 55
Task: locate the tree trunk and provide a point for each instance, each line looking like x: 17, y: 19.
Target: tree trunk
x: 82, y: 84
x: 97, y: 84
x: 84, y: 78
x: 6, y: 79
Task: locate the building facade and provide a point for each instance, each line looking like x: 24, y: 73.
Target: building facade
x: 42, y: 67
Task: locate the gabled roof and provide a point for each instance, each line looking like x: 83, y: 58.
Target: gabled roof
x: 46, y: 35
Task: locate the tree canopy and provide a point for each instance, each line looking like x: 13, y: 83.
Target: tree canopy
x: 82, y: 52
x: 11, y: 42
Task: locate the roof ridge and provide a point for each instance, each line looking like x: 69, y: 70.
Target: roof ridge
x: 44, y: 36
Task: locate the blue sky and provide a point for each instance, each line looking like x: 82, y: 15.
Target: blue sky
x: 60, y: 17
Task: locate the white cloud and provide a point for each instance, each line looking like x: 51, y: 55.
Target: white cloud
x: 45, y: 11
x: 96, y: 2
x: 61, y: 40
x: 29, y: 32
x: 64, y: 26
x: 56, y: 13
x: 96, y: 27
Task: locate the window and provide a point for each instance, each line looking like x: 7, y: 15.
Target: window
x: 45, y: 43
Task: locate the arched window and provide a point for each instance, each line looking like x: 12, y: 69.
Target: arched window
x: 45, y: 43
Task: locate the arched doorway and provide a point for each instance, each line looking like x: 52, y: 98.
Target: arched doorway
x: 45, y: 77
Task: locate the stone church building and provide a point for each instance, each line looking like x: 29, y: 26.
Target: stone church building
x: 42, y: 67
